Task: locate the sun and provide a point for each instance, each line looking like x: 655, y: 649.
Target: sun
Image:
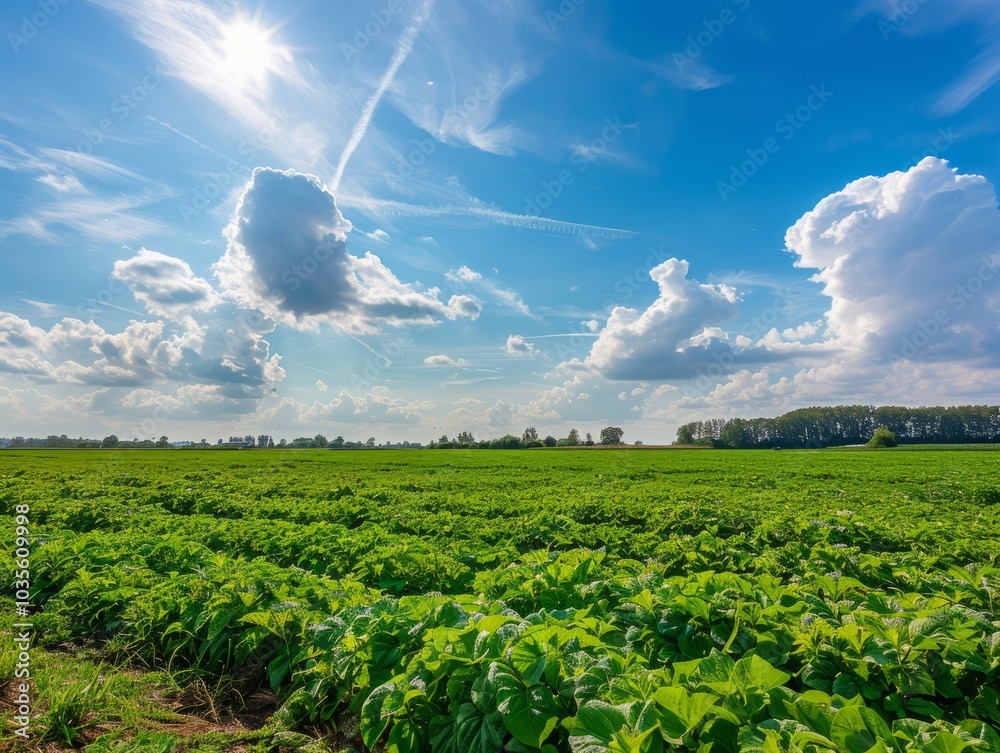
x: 248, y: 52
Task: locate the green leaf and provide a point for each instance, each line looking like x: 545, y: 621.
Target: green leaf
x: 983, y: 734
x: 857, y: 729
x: 528, y: 713
x: 599, y: 720
x: 681, y: 711
x: 815, y: 716
x: 945, y: 742
x: 373, y: 723
x: 753, y: 674
x: 529, y: 657
x: 404, y: 737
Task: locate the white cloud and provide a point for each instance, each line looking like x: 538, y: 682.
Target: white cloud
x: 463, y: 274
x: 443, y: 361
x: 475, y: 57
x: 504, y: 415
x: 518, y: 347
x: 378, y: 406
x: 321, y: 385
x: 165, y: 285
x: 591, y: 326
x: 106, y: 218
x: 911, y: 266
x: 982, y: 72
x: 677, y: 337
x: 905, y: 254
x: 230, y: 354
x: 287, y: 256
x: 62, y: 183
x: 507, y: 298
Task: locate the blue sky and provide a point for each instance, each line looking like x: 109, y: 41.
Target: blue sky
x: 407, y: 218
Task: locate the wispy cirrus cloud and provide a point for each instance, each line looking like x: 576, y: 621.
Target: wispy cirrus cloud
x: 406, y: 41
x: 507, y: 298
x: 391, y: 208
x: 102, y: 219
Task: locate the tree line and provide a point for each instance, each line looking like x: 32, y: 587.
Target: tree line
x: 611, y: 435
x: 848, y: 425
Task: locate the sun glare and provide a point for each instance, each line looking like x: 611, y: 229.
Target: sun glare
x: 248, y: 54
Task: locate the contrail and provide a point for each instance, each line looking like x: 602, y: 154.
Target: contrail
x: 369, y: 348
x: 192, y: 140
x: 406, y: 42
x: 313, y: 368
x: 568, y: 334
x: 387, y: 207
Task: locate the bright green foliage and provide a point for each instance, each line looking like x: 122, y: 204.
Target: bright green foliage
x: 882, y: 438
x: 592, y: 601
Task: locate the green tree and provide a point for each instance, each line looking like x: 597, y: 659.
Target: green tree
x: 882, y: 437
x: 530, y: 435
x: 551, y: 441
x: 110, y: 441
x: 612, y: 435
x: 465, y: 439
x: 319, y: 441
x: 163, y: 442
x: 573, y: 439
x: 684, y: 435
x: 507, y: 442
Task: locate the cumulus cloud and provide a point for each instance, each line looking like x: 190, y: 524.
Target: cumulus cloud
x: 83, y: 353
x: 165, y: 285
x: 908, y: 258
x: 379, y: 405
x: 321, y: 385
x: 910, y: 264
x: 504, y: 415
x: 287, y: 256
x: 518, y: 347
x: 443, y: 361
x: 507, y: 298
x: 675, y: 338
x: 463, y: 274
